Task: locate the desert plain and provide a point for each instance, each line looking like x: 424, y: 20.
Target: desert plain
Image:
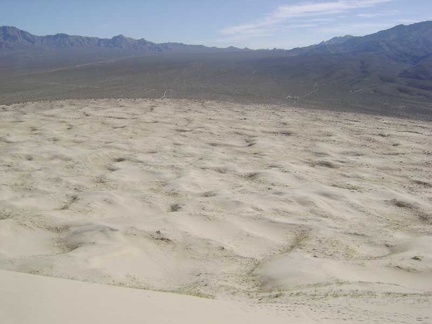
x: 182, y: 211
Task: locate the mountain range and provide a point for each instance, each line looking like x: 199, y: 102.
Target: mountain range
x: 12, y: 38
x: 405, y: 43
x: 401, y: 43
x: 388, y: 72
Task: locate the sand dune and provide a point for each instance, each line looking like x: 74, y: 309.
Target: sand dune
x: 303, y: 215
x: 82, y: 302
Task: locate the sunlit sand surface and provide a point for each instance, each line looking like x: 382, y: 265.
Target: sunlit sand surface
x: 297, y: 215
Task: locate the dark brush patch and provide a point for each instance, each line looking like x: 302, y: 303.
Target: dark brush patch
x: 175, y: 207
x: 326, y: 164
x: 73, y: 198
x: 119, y: 159
x: 422, y: 183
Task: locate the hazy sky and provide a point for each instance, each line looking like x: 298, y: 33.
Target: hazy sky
x: 241, y: 23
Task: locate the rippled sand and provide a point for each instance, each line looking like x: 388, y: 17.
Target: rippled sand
x: 300, y: 215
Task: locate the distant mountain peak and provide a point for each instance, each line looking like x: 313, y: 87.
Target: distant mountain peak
x: 8, y: 28
x: 337, y: 40
x: 120, y: 36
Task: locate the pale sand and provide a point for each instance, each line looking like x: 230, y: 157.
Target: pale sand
x: 297, y: 216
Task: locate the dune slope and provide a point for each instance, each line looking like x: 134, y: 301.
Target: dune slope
x: 319, y: 216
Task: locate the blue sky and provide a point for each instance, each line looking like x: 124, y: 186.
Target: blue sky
x: 241, y: 23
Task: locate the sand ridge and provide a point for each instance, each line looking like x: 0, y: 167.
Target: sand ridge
x: 289, y: 209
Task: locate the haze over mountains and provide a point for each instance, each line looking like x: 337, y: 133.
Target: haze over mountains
x: 401, y: 43
x: 389, y: 72
x: 12, y: 38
